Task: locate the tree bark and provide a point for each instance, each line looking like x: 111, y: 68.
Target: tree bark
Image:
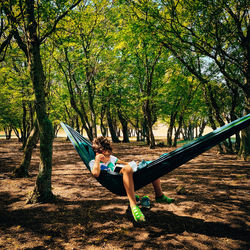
x: 148, y: 113
x: 177, y: 133
x: 42, y: 190
x: 104, y: 130
x: 21, y: 18
x: 24, y: 133
x: 245, y: 144
x: 124, y: 124
x: 7, y: 131
x: 170, y: 129
x: 244, y: 152
x: 73, y: 100
x: 23, y: 169
x: 111, y: 127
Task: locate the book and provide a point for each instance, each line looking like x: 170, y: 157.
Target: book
x: 118, y: 168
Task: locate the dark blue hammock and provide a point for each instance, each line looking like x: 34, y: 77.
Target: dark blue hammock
x: 164, y: 164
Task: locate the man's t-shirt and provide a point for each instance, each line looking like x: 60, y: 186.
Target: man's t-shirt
x: 110, y: 165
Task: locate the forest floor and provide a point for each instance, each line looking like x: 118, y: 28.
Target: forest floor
x: 212, y: 212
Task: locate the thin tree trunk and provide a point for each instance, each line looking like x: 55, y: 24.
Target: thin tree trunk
x: 245, y: 144
x: 244, y: 152
x: 177, y: 134
x: 24, y: 134
x: 148, y: 113
x: 202, y: 128
x: 23, y: 169
x: 7, y: 133
x: 124, y: 124
x: 102, y: 125
x: 245, y: 135
x: 170, y: 129
x: 111, y: 127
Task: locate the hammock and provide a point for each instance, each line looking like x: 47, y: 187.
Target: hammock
x: 164, y: 164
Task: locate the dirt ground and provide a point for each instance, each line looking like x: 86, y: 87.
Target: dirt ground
x: 211, y: 212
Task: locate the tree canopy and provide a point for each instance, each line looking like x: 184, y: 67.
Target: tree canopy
x: 123, y: 66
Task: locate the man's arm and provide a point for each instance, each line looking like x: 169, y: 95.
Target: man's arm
x: 96, y: 168
x: 121, y: 162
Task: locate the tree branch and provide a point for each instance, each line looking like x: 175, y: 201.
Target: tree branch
x: 20, y: 42
x: 6, y: 42
x: 57, y: 20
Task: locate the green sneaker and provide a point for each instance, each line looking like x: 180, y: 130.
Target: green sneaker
x: 164, y: 199
x: 137, y: 214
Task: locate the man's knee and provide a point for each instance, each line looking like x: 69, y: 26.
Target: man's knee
x: 127, y: 169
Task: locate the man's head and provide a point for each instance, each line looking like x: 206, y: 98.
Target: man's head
x: 102, y: 145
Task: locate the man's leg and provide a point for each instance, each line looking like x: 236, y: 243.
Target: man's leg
x: 128, y: 183
x: 159, y: 196
x: 157, y: 187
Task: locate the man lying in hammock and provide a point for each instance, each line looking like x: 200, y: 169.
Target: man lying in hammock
x: 105, y: 159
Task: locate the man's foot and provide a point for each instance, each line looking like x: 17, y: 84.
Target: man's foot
x: 145, y: 202
x: 137, y: 214
x: 164, y: 199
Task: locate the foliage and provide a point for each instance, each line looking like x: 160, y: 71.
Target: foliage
x: 123, y: 56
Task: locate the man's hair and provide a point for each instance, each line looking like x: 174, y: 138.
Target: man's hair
x: 101, y: 144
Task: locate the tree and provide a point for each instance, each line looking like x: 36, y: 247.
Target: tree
x: 24, y: 21
x: 177, y: 99
x: 145, y: 66
x: 79, y: 58
x: 9, y: 111
x: 23, y: 169
x: 216, y: 33
x: 16, y: 88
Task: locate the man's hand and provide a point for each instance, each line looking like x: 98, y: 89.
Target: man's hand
x: 99, y: 157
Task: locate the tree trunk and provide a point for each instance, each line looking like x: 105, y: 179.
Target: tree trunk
x: 144, y: 132
x: 17, y: 134
x: 91, y: 106
x: 177, y: 134
x: 83, y: 116
x: 170, y: 129
x: 77, y: 125
x: 42, y: 190
x: 148, y: 113
x: 124, y: 124
x: 149, y: 124
x: 210, y: 116
x: 24, y: 134
x: 78, y: 107
x: 103, y: 126
x: 245, y: 135
x: 228, y: 146
x: 56, y: 129
x: 7, y: 133
x: 22, y: 170
x: 244, y: 152
x: 111, y: 127
x: 202, y: 128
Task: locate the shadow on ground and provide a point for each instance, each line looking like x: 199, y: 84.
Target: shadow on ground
x: 212, y: 213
